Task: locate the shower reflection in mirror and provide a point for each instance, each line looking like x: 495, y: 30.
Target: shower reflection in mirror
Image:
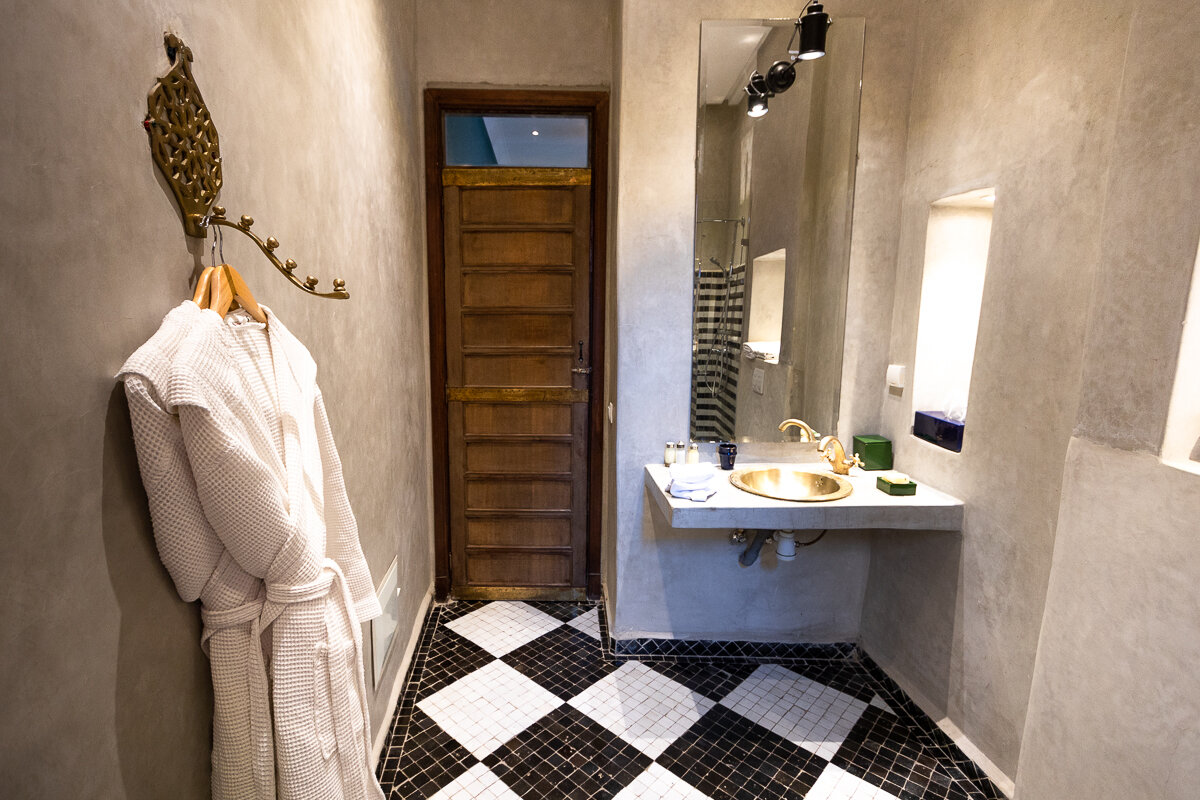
x: 773, y: 203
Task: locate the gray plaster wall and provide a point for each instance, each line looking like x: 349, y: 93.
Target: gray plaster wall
x: 1023, y: 98
x: 659, y: 53
x: 105, y: 689
x: 1114, y: 704
x: 515, y: 43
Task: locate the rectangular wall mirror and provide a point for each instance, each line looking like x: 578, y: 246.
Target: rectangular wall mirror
x: 774, y: 200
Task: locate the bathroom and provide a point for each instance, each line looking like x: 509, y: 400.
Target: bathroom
x: 1052, y: 638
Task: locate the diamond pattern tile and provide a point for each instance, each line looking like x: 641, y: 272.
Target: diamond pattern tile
x: 883, y: 752
x: 659, y: 783
x: 564, y: 661
x: 807, y: 713
x: 488, y: 707
x: 527, y: 701
x: 714, y: 681
x: 428, y: 760
x: 477, y: 783
x: 642, y: 706
x: 450, y: 657
x: 502, y: 627
x: 588, y: 623
x: 837, y: 784
x: 565, y: 754
x: 728, y: 757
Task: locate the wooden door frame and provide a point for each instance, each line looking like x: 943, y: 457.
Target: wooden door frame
x: 513, y: 101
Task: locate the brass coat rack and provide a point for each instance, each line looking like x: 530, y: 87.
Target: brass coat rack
x: 185, y: 146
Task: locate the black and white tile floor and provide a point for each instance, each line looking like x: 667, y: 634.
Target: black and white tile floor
x: 524, y: 701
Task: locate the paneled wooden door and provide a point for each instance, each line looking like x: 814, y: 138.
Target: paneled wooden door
x: 517, y: 292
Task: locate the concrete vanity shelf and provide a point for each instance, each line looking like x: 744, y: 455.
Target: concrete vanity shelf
x: 865, y: 508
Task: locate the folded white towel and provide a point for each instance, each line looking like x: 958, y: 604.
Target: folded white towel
x: 696, y: 482
x: 693, y: 475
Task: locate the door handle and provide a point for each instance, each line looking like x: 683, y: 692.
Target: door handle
x: 582, y: 370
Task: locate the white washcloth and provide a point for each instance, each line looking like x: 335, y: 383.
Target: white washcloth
x: 692, y: 475
x: 696, y: 482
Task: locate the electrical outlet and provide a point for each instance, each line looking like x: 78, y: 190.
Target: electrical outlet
x: 757, y: 381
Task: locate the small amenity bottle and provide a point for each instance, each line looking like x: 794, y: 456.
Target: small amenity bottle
x: 693, y: 453
x: 669, y: 454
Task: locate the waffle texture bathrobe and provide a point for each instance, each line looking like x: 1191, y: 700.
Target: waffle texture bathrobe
x: 255, y: 460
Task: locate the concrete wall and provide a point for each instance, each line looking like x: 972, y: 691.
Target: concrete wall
x: 105, y: 689
x: 1114, y: 705
x: 659, y: 52
x: 529, y: 43
x: 1019, y: 97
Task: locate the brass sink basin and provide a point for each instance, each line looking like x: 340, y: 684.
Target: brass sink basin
x: 785, y: 483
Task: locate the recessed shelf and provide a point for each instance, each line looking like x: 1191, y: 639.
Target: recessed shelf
x: 956, y: 251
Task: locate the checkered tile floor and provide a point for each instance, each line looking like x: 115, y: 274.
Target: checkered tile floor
x: 524, y: 701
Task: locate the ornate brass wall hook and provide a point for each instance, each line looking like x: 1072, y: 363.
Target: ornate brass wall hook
x: 288, y: 268
x: 184, y: 145
x: 183, y: 138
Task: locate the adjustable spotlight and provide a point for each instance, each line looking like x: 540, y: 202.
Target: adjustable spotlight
x: 756, y: 104
x: 813, y: 26
x: 781, y: 76
x: 757, y: 93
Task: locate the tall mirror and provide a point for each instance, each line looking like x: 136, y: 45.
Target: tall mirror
x: 774, y: 199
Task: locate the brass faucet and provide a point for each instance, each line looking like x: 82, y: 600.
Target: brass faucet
x: 832, y: 451
x: 807, y: 434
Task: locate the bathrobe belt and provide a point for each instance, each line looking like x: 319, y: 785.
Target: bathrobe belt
x: 342, y: 674
x: 261, y: 729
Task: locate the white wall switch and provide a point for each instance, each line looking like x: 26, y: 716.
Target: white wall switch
x: 756, y: 382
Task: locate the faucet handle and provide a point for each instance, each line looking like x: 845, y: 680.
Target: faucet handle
x: 854, y: 461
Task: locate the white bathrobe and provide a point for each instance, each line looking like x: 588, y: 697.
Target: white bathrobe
x: 243, y: 754
x: 269, y: 483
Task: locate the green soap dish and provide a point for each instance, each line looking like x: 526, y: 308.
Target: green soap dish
x: 889, y: 485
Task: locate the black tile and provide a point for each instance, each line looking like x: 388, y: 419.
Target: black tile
x: 450, y: 657
x: 564, y: 661
x: 882, y: 750
x: 713, y: 680
x: 564, y: 611
x: 429, y: 760
x: 566, y: 754
x: 728, y: 757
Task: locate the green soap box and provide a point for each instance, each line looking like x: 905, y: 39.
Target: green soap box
x: 875, y: 451
x: 887, y: 487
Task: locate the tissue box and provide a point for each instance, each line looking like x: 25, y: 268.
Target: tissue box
x: 875, y: 451
x: 936, y: 427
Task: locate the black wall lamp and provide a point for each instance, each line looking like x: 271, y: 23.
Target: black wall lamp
x: 811, y: 27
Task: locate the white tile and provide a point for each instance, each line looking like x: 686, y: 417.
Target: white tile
x: 879, y: 702
x: 659, y: 783
x: 837, y: 784
x: 503, y: 626
x: 642, y: 706
x: 477, y: 783
x: 488, y: 707
x: 804, y: 712
x: 588, y: 623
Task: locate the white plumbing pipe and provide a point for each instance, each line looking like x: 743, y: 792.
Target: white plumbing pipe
x: 785, y: 545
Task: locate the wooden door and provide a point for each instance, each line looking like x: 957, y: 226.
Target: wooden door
x: 517, y: 245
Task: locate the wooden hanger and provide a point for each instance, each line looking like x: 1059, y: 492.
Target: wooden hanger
x: 223, y: 289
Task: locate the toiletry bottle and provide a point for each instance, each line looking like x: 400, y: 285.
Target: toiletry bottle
x: 693, y: 453
x: 669, y: 454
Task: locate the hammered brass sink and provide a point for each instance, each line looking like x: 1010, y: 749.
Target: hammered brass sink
x: 785, y: 483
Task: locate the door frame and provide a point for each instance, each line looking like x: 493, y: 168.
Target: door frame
x: 513, y: 101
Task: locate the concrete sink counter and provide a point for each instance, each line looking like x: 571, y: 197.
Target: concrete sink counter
x: 865, y: 508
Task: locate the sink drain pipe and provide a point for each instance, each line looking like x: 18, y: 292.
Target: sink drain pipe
x: 750, y: 554
x: 785, y: 545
